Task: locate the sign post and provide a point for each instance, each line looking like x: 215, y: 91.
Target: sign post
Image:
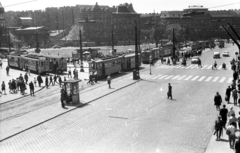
x: 150, y: 62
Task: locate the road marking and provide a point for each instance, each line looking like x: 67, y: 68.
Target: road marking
x: 219, y: 67
x: 176, y: 67
x: 201, y: 78
x: 230, y: 80
x: 208, y: 79
x: 209, y: 67
x: 169, y: 77
x: 189, y: 66
x: 195, y: 78
x: 194, y: 66
x: 148, y: 76
x: 181, y: 77
x: 143, y: 75
x: 156, y: 76
x: 188, y: 77
x: 175, y: 77
x: 204, y: 66
x: 223, y: 78
x: 215, y: 79
x: 163, y: 76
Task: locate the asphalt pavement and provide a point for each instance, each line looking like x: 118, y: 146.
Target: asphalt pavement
x: 133, y: 116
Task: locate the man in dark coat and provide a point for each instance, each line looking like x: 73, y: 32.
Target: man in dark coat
x: 235, y: 75
x: 60, y: 81
x: 51, y: 80
x: 7, y: 70
x: 55, y: 79
x: 39, y: 79
x: 228, y: 94
x: 63, y: 97
x: 31, y: 87
x: 218, y: 127
x: 46, y: 82
x: 217, y: 101
x: 26, y: 78
x: 169, y: 93
x: 223, y: 113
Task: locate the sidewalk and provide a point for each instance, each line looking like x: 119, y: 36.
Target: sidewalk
x: 12, y: 127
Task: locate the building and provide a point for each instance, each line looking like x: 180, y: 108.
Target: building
x: 3, y: 36
x: 119, y: 21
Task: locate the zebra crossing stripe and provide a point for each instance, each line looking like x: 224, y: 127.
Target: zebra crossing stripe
x: 195, y: 78
x: 175, y: 77
x: 144, y: 76
x: 188, y: 77
x: 219, y: 67
x: 208, y: 79
x: 223, y: 78
x: 189, y: 66
x: 169, y: 77
x: 201, y: 78
x: 215, y: 79
x: 156, y: 77
x: 148, y: 76
x: 194, y: 66
x: 204, y: 66
x: 181, y: 77
x: 163, y: 76
x: 230, y: 80
x: 209, y: 67
x: 176, y: 67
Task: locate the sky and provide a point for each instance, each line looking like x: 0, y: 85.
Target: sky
x: 140, y: 6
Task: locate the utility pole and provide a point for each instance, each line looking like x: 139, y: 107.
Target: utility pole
x: 136, y: 72
x: 112, y: 36
x: 9, y: 41
x: 63, y: 26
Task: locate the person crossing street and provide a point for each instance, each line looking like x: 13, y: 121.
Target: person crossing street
x: 217, y: 101
x: 169, y: 93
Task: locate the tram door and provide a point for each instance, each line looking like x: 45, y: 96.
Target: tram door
x: 47, y: 68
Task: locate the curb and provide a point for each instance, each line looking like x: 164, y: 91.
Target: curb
x: 81, y: 105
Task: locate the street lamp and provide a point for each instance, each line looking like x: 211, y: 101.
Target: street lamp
x: 150, y: 63
x: 37, y: 50
x: 80, y: 39
x: 136, y: 72
x: 9, y: 40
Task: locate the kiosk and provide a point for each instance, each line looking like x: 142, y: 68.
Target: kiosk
x: 72, y: 91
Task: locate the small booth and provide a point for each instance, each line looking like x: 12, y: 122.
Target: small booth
x: 72, y: 91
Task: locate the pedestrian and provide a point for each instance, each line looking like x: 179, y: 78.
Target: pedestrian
x: 235, y: 96
x: 199, y: 63
x: 10, y: 86
x: 109, y: 79
x: 228, y: 94
x: 217, y: 101
x: 63, y: 97
x: 1, y: 63
x: 169, y: 93
x: 218, y: 128
x: 46, y: 82
x: 237, y: 145
x: 69, y: 72
x: 235, y: 75
x: 55, y: 79
x: 35, y: 81
x: 231, y: 135
x: 223, y: 113
x: 21, y: 77
x: 60, y: 81
x: 95, y: 77
x: 3, y: 87
x: 14, y: 86
x: 7, y: 70
x: 231, y: 111
x: 168, y: 61
x: 64, y: 79
x: 51, y: 80
x: 233, y: 120
x: 39, y: 79
x: 31, y: 87
x: 26, y: 78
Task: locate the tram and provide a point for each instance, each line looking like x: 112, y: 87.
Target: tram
x: 129, y: 62
x: 147, y: 53
x: 93, y: 52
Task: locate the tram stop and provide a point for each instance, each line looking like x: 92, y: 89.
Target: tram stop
x: 72, y: 92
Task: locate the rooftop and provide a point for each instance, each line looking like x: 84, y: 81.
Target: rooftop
x: 30, y: 28
x: 25, y: 18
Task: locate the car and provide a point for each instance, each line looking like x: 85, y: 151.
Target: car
x: 56, y: 46
x: 225, y: 53
x: 216, y: 55
x: 195, y: 60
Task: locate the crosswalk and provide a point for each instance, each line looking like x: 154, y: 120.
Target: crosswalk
x: 215, y: 79
x: 192, y: 66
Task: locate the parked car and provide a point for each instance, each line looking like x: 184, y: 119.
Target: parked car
x: 225, y: 53
x: 56, y: 46
x: 216, y: 55
x: 195, y: 60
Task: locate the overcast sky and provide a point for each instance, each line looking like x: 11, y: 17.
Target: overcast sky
x: 140, y: 6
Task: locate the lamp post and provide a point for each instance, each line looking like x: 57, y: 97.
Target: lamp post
x: 9, y: 41
x: 150, y: 63
x: 136, y: 54
x: 80, y: 39
x: 37, y: 50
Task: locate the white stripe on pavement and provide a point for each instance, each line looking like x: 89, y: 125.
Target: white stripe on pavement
x: 175, y: 77
x: 189, y: 66
x: 230, y: 80
x: 223, y: 78
x: 204, y: 66
x: 156, y: 76
x: 208, y: 79
x: 163, y: 76
x: 181, y: 77
x: 209, y: 67
x: 169, y: 77
x: 220, y: 66
x: 148, y: 76
x: 176, y: 67
x: 215, y: 79
x: 195, y: 78
x: 194, y: 66
x: 188, y: 77
x: 201, y: 78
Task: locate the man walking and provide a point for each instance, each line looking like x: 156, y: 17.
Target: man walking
x: 109, y: 79
x: 69, y: 72
x: 55, y: 79
x: 3, y: 86
x: 60, y: 81
x: 62, y: 97
x: 199, y: 63
x: 235, y: 96
x: 26, y: 78
x: 217, y: 101
x: 228, y: 94
x: 46, y: 82
x: 7, y: 70
x: 31, y: 87
x: 223, y: 113
x: 231, y: 135
x: 39, y: 79
x: 218, y: 127
x: 51, y: 80
x: 169, y: 93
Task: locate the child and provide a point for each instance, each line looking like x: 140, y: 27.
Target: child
x: 35, y: 81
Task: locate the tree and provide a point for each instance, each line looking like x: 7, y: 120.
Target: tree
x: 179, y: 32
